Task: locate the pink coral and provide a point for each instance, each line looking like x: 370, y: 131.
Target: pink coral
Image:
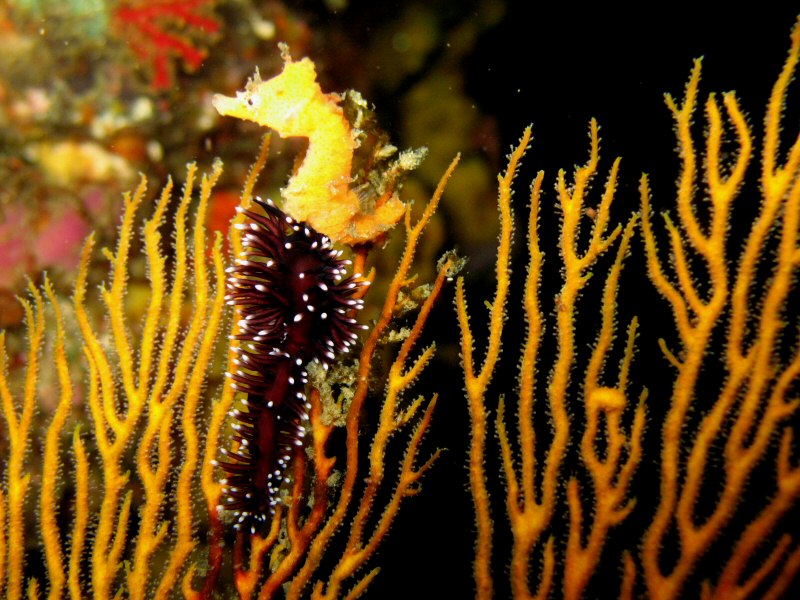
x: 56, y: 243
x: 59, y: 242
x: 14, y: 256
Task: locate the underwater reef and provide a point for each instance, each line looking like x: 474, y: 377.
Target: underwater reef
x: 293, y: 357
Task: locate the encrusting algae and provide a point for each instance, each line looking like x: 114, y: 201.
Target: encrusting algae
x: 120, y: 496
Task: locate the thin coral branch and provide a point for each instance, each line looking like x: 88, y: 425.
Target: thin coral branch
x: 18, y: 417
x: 335, y: 520
x: 210, y: 313
x: 610, y: 492
x: 476, y: 382
x: 50, y: 467
x: 752, y: 398
x: 81, y: 515
x: 361, y: 546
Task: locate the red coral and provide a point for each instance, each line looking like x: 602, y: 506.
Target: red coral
x: 154, y: 31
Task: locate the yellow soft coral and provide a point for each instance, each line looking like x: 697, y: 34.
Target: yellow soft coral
x: 293, y: 104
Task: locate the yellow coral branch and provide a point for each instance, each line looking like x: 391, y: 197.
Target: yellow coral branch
x: 114, y: 301
x: 752, y: 396
x: 211, y: 314
x: 530, y: 354
x: 50, y: 461
x: 413, y: 233
x: 152, y: 239
x: 81, y: 516
x: 18, y: 421
x: 477, y: 382
x: 359, y: 550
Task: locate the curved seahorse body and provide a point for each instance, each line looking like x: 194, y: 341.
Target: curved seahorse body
x: 293, y: 105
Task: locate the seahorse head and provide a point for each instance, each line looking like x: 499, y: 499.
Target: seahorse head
x: 280, y: 103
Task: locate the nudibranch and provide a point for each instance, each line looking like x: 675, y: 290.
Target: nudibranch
x: 293, y: 105
x: 295, y: 303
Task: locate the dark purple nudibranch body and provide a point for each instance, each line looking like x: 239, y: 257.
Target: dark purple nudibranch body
x: 295, y: 306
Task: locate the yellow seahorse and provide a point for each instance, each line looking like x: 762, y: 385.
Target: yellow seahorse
x: 293, y: 105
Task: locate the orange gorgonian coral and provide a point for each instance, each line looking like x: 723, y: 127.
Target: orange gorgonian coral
x: 113, y: 421
x: 132, y: 523
x: 717, y: 524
